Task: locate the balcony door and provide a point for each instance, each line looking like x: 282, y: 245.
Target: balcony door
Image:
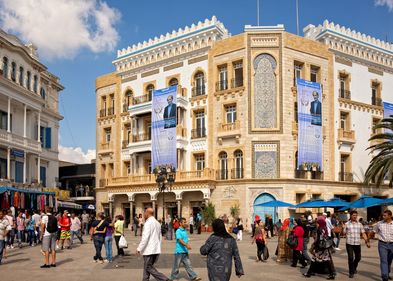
x: 223, y: 174
x: 200, y: 123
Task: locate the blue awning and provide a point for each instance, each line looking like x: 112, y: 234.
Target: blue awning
x: 9, y: 188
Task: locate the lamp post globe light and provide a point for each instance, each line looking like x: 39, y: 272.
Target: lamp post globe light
x: 165, y: 177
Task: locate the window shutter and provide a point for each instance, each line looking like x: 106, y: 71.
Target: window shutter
x: 48, y: 138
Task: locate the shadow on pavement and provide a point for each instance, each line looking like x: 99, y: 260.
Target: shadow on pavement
x: 64, y: 261
x: 15, y: 261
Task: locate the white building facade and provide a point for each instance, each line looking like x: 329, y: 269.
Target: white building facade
x: 29, y: 116
x: 363, y: 80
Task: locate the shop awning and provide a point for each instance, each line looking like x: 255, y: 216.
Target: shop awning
x: 70, y: 205
x: 9, y: 188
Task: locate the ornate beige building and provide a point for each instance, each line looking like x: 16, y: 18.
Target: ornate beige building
x: 237, y: 122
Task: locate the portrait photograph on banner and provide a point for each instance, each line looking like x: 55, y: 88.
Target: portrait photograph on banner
x: 309, y: 125
x: 163, y: 145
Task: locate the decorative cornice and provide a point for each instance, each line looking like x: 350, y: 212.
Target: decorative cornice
x: 351, y: 42
x: 356, y: 105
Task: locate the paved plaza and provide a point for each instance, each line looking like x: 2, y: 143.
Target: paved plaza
x: 77, y: 263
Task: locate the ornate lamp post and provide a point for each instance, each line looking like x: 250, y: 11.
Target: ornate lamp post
x: 165, y: 177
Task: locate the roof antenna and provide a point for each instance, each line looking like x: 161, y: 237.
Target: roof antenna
x: 297, y: 17
x: 257, y: 12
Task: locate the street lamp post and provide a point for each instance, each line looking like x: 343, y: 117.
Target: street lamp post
x: 165, y: 177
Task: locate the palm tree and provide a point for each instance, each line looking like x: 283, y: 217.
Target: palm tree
x: 381, y: 165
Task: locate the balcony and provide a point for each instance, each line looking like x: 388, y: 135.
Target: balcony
x: 141, y: 137
x: 227, y: 127
x: 228, y: 130
x: 237, y: 173
x: 125, y: 108
x: 125, y: 143
x: 345, y: 94
x: 102, y: 113
x: 346, y: 136
x: 310, y: 175
x: 236, y: 82
x: 111, y: 111
x: 198, y: 133
x: 103, y: 182
x: 376, y: 101
x: 198, y: 91
x: 106, y: 146
x: 181, y: 176
x: 222, y: 174
x: 181, y: 132
x: 142, y: 99
x: 19, y: 141
x: 222, y: 85
x: 344, y: 176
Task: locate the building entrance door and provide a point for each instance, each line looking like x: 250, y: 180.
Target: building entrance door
x: 262, y: 211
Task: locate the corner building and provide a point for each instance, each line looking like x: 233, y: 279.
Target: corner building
x: 237, y: 124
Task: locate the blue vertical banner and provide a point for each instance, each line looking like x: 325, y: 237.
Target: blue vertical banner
x: 387, y: 110
x: 163, y: 145
x: 309, y: 125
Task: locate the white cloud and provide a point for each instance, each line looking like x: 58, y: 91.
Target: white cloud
x: 76, y: 155
x: 60, y: 28
x: 388, y: 3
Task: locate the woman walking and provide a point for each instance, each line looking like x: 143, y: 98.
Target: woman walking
x: 97, y: 234
x: 20, y: 227
x: 30, y: 227
x: 298, y: 232
x: 283, y: 251
x: 260, y: 239
x: 119, y: 231
x: 108, y: 240
x: 239, y: 225
x: 321, y: 255
x: 220, y: 248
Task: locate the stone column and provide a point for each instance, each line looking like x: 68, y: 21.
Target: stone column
x: 179, y: 208
x: 24, y: 120
x: 110, y: 208
x: 9, y: 116
x: 38, y: 127
x: 24, y: 167
x: 131, y: 212
x: 154, y: 206
x: 38, y: 169
x: 8, y: 163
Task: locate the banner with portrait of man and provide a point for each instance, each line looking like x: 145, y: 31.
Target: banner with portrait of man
x: 387, y: 110
x: 309, y: 96
x: 163, y: 126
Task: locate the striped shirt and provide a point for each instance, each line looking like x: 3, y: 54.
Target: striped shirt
x: 384, y: 231
x: 353, y: 231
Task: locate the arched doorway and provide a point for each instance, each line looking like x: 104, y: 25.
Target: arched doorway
x: 262, y: 211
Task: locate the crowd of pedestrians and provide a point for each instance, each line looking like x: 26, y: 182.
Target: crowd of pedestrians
x: 306, y: 241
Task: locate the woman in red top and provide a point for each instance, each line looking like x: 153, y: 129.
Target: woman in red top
x: 298, y: 231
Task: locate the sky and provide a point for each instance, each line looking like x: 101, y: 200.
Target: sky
x: 78, y: 39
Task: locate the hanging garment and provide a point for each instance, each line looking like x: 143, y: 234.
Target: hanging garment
x: 5, y: 203
x: 50, y: 201
x: 16, y: 200
x: 22, y: 200
x: 42, y: 202
x: 32, y: 197
x: 11, y: 198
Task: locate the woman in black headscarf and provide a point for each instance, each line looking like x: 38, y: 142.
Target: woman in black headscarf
x: 220, y: 247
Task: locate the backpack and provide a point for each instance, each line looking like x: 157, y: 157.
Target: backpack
x: 51, y: 226
x: 292, y: 240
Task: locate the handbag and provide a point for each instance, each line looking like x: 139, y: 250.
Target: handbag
x: 337, y: 229
x: 123, y: 242
x: 265, y: 253
x: 292, y: 240
x: 235, y: 230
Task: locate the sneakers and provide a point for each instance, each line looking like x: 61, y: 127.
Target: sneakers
x: 337, y: 249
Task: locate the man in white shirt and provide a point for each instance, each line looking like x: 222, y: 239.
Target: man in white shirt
x: 150, y: 246
x: 85, y: 223
x: 75, y: 228
x: 329, y: 224
x: 37, y: 223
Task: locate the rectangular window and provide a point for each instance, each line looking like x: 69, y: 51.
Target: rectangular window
x: 344, y: 117
x: 200, y: 162
x: 13, y: 71
x: 46, y: 137
x: 200, y: 124
x: 21, y: 76
x: 238, y: 74
x: 43, y: 176
x: 223, y: 78
x: 314, y: 72
x: 230, y: 112
x: 35, y: 84
x: 297, y: 71
x: 376, y: 94
x: 28, y: 81
x: 107, y: 135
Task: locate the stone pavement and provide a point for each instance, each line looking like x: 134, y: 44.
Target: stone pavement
x: 77, y: 264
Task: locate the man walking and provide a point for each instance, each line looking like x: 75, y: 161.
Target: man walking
x: 181, y: 253
x: 75, y: 228
x: 353, y: 230
x: 37, y: 225
x: 48, y: 237
x: 384, y: 229
x: 85, y: 223
x: 65, y: 234
x: 4, y: 228
x: 150, y: 246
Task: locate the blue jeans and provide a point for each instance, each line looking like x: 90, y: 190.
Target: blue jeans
x: 98, y: 242
x: 385, y: 256
x: 108, y: 248
x: 182, y: 258
x: 2, y: 246
x: 21, y: 234
x: 31, y: 236
x: 78, y: 234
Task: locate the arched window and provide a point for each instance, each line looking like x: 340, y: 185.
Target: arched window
x: 21, y: 76
x: 127, y: 100
x: 28, y: 81
x: 13, y: 71
x: 199, y: 83
x: 5, y: 67
x: 43, y: 93
x: 223, y: 172
x: 150, y: 90
x: 173, y: 82
x: 238, y: 172
x: 35, y: 84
